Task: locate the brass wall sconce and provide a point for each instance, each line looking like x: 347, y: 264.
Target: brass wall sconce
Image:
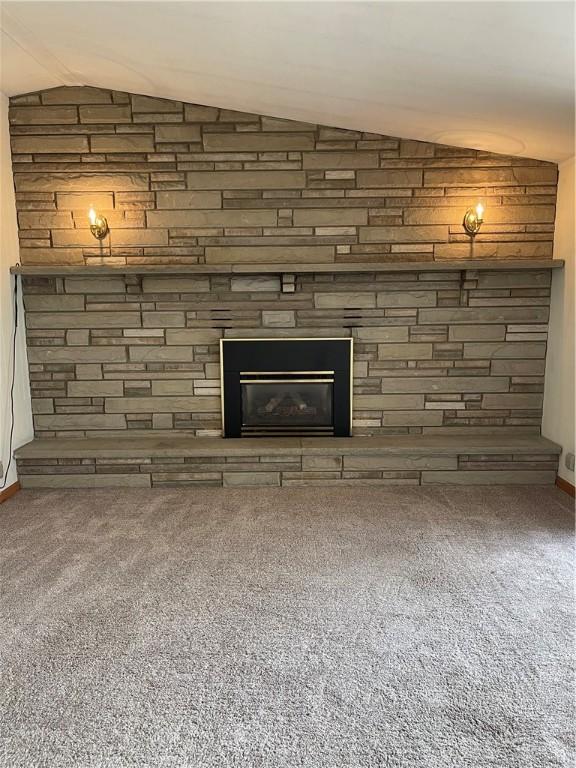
x: 98, y: 224
x: 473, y: 219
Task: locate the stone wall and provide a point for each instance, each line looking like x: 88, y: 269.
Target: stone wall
x: 183, y: 183
x: 435, y: 352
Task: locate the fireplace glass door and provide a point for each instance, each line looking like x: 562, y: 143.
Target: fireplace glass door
x: 285, y: 404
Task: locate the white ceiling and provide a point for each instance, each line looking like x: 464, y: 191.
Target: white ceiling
x: 497, y: 76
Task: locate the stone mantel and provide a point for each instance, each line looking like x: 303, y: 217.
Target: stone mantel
x: 50, y: 270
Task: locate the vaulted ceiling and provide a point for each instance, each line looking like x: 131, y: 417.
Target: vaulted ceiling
x: 497, y: 76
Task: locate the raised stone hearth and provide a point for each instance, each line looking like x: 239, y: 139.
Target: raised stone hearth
x: 409, y: 460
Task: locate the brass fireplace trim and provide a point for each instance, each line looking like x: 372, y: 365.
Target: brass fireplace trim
x: 286, y: 381
x: 285, y: 373
x: 296, y: 338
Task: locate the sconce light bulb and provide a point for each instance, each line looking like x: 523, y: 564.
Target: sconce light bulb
x: 98, y: 224
x: 480, y: 211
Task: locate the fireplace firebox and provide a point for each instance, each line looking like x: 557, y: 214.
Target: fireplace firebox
x: 286, y: 387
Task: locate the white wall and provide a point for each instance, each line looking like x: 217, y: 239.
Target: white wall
x: 8, y: 256
x: 558, y: 423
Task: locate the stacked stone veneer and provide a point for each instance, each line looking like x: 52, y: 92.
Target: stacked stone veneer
x: 183, y: 183
x: 435, y: 352
x: 291, y: 469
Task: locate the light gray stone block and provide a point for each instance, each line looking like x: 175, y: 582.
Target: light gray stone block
x: 80, y: 94
x: 236, y: 479
x: 344, y: 160
x: 518, y: 367
x: 57, y: 145
x: 177, y: 133
x: 480, y: 177
x: 325, y: 217
x: 83, y: 320
x: 257, y: 142
x: 515, y: 279
x: 205, y: 218
x: 173, y: 387
x: 42, y: 405
x: 345, y: 300
x: 389, y: 178
x: 103, y: 480
x: 330, y: 463
x: 169, y: 354
x: 45, y: 220
x: 516, y: 400
x: 275, y: 254
x: 81, y: 201
x: 167, y: 319
x: 482, y: 315
x: 105, y: 113
x: 79, y: 337
x: 412, y: 462
x: 255, y: 284
x: 382, y: 334
x: 53, y: 303
x: 278, y: 319
x: 175, y: 284
x: 94, y: 285
x: 399, y: 402
x: 168, y: 404
x: 476, y: 333
x: 431, y: 384
x: 180, y: 199
x: 109, y: 388
x: 162, y: 421
x: 88, y: 371
x: 191, y: 336
x: 246, y: 180
x: 509, y: 349
x: 130, y: 142
x: 496, y: 250
x: 93, y: 354
x: 195, y: 113
x: 406, y: 299
x: 489, y: 477
x: 403, y: 234
x: 81, y: 182
x: 413, y: 351
x: 412, y: 418
x: 80, y: 421
x: 43, y: 115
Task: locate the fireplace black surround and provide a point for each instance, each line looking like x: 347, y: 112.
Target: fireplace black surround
x: 286, y: 387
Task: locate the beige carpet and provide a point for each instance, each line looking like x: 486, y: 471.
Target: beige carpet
x: 281, y: 628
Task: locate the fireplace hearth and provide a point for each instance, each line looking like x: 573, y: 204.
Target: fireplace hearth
x: 286, y: 387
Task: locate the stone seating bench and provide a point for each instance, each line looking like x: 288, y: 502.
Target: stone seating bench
x: 149, y: 461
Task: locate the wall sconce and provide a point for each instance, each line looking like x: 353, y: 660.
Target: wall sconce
x: 473, y: 219
x: 98, y: 224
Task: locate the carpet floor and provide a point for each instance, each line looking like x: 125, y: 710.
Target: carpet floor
x: 287, y: 628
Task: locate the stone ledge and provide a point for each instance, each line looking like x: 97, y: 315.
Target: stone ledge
x: 280, y: 268
x: 358, y: 461
x: 153, y: 447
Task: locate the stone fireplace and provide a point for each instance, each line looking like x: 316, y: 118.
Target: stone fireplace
x: 283, y: 244
x: 286, y: 387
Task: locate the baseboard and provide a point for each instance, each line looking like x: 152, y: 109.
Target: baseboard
x: 10, y: 491
x: 565, y: 486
